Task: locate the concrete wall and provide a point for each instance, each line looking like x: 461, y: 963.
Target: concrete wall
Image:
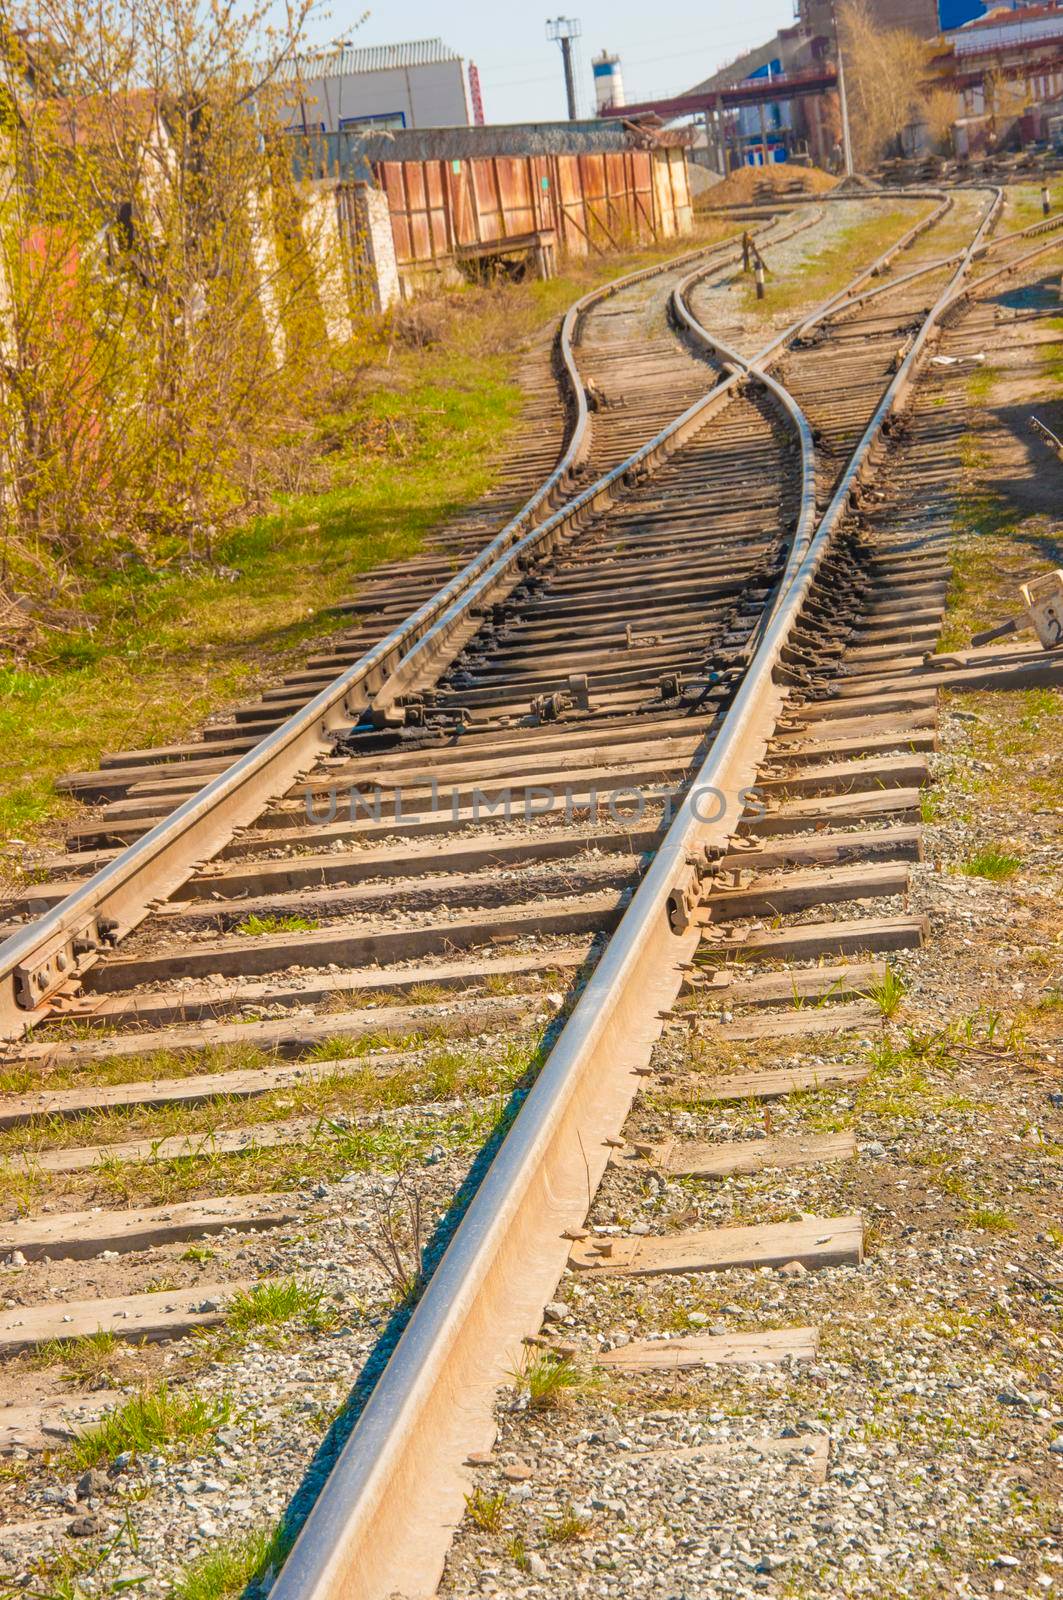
x: 324, y: 236
x: 366, y: 218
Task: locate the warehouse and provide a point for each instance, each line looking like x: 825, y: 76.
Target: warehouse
x: 419, y: 84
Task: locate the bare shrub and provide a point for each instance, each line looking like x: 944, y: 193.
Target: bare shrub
x: 884, y: 72
x: 397, y: 1240
x: 159, y: 296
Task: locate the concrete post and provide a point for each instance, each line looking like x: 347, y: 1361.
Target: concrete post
x: 321, y: 230
x: 267, y: 267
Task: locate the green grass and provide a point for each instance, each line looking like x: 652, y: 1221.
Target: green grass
x: 98, y: 1360
x: 830, y: 269
x: 908, y: 1079
x: 327, y: 1149
x: 346, y: 1085
x: 980, y: 384
x: 568, y: 1527
x: 199, y: 1253
x: 268, y: 1304
x: 133, y: 1068
x: 254, y: 926
x: 1013, y: 741
x: 161, y: 649
x: 993, y: 862
x: 230, y: 1569
x: 517, y: 1551
x: 987, y: 1219
x: 1052, y: 357
x: 1022, y: 204
x: 888, y: 993
x: 550, y: 1381
x: 988, y: 563
x: 485, y: 1511
x: 151, y: 1421
x: 996, y: 547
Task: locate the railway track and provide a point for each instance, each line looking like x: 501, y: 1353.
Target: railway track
x: 505, y: 794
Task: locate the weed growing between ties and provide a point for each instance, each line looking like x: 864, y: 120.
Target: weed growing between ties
x: 887, y: 993
x: 324, y: 1147
x: 148, y: 1066
x: 486, y: 1511
x: 152, y: 1420
x: 268, y: 1304
x: 549, y: 1381
x: 910, y: 1074
x: 319, y: 1108
x: 397, y: 1239
x: 243, y: 1566
x: 72, y: 1574
x: 254, y: 926
x: 569, y: 1527
x: 993, y: 861
x: 95, y: 1360
x: 517, y: 1551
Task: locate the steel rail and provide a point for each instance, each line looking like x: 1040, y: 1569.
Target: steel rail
x: 445, y: 638
x: 465, y: 582
x: 729, y: 357
x: 1005, y: 270
x: 384, y: 1519
x: 756, y: 367
x: 44, y: 957
x: 1048, y: 225
x: 781, y: 201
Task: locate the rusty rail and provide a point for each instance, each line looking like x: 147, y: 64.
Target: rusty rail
x: 44, y: 958
x: 443, y: 640
x: 384, y: 1519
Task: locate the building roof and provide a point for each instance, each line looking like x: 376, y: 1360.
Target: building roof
x: 345, y: 60
x: 1007, y: 28
x: 351, y: 154
x: 1019, y: 15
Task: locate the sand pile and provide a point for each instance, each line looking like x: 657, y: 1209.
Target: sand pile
x: 748, y: 184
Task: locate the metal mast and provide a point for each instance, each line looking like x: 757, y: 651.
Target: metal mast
x: 564, y: 30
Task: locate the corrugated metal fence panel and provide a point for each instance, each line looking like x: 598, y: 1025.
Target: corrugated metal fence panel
x: 594, y: 201
x: 544, y: 192
x: 574, y: 237
x: 664, y: 195
x: 417, y: 211
x: 684, y: 209
x: 459, y: 202
x: 642, y: 192
x: 390, y: 177
x: 592, y: 188
x: 515, y: 179
x: 437, y: 207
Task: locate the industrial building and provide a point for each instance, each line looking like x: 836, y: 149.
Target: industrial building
x: 1006, y: 69
x: 776, y: 128
x: 419, y: 84
x: 925, y: 18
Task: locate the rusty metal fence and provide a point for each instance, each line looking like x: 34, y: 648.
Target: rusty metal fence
x: 441, y: 210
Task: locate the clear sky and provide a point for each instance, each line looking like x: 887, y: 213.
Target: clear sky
x: 661, y: 52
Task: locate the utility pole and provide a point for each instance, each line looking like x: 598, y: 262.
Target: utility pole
x: 564, y: 30
x: 843, y: 104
